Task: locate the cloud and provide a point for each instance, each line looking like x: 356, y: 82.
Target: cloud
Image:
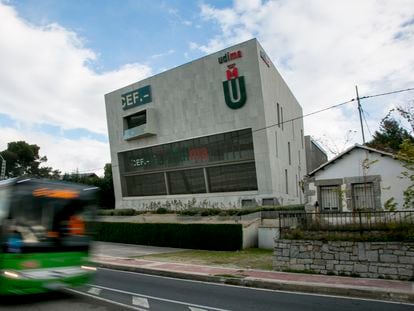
x: 46, y: 78
x: 169, y: 52
x: 45, y: 75
x: 67, y: 155
x: 324, y: 49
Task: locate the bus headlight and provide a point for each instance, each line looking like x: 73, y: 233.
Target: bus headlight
x: 11, y: 274
x: 89, y: 268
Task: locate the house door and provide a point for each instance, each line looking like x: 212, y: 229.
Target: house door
x: 329, y: 198
x: 363, y: 196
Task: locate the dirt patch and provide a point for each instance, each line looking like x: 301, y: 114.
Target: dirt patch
x: 252, y: 258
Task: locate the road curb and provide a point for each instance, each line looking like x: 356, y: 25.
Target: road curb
x: 324, y: 289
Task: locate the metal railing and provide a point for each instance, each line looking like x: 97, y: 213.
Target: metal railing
x: 358, y: 220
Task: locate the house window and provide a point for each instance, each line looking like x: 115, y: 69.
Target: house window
x: 363, y: 196
x: 329, y: 198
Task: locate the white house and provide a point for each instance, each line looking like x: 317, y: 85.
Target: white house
x: 359, y: 178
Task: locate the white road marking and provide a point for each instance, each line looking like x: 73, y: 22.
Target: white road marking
x: 104, y: 299
x: 196, y: 309
x: 95, y: 291
x: 161, y: 299
x: 140, y: 302
x: 263, y: 289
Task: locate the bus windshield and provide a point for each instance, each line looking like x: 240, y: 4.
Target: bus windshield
x: 44, y: 217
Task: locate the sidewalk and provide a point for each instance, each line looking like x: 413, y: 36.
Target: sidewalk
x: 402, y: 291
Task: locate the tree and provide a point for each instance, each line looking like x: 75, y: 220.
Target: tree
x: 105, y: 184
x: 405, y: 148
x: 390, y: 136
x: 107, y: 187
x: 406, y: 156
x: 23, y: 159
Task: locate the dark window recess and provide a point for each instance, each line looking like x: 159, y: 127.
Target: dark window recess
x: 289, y: 154
x: 186, y: 181
x: 269, y: 201
x: 226, y: 147
x: 248, y: 203
x: 239, y: 177
x: 136, y: 119
x: 144, y: 185
x: 286, y: 181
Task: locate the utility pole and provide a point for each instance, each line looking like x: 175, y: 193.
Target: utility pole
x: 360, y: 116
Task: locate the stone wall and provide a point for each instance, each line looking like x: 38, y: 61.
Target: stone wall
x: 393, y: 260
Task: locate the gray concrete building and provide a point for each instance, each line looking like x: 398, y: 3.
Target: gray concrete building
x: 315, y: 155
x: 221, y: 131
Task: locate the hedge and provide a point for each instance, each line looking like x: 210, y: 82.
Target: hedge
x: 195, y: 236
x: 400, y: 233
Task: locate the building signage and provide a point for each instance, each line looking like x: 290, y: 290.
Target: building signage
x: 264, y: 57
x: 174, y: 157
x: 229, y: 56
x: 234, y: 88
x: 137, y: 97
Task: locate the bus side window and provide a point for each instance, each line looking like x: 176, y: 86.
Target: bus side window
x: 76, y: 225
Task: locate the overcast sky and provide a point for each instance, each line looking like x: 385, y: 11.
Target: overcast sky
x: 59, y: 57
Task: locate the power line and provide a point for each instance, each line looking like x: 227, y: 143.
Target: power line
x: 388, y: 93
x: 332, y: 107
x: 306, y: 115
x: 366, y: 123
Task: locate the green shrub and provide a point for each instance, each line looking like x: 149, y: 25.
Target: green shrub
x: 118, y: 212
x: 161, y: 210
x: 237, y: 212
x: 189, y: 212
x: 105, y: 212
x: 124, y: 212
x: 195, y: 236
x: 384, y: 233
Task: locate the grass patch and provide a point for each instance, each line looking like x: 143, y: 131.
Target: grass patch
x: 252, y: 258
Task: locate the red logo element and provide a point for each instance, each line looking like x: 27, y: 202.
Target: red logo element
x: 232, y: 72
x: 198, y: 154
x: 229, y: 56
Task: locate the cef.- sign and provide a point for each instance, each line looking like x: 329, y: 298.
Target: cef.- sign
x: 137, y: 97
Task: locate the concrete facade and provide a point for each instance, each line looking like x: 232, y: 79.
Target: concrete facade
x: 359, y: 165
x: 188, y: 102
x: 315, y: 155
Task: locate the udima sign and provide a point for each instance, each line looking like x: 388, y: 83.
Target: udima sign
x: 234, y: 88
x: 229, y: 56
x: 137, y: 97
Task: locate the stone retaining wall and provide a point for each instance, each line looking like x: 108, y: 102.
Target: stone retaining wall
x: 394, y: 260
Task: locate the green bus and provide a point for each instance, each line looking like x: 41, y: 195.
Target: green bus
x: 43, y: 241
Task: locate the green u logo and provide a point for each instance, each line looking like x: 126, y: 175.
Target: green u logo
x: 235, y: 92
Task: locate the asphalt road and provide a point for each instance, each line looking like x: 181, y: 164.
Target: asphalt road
x: 119, y: 290
x: 146, y: 292
x: 58, y: 301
